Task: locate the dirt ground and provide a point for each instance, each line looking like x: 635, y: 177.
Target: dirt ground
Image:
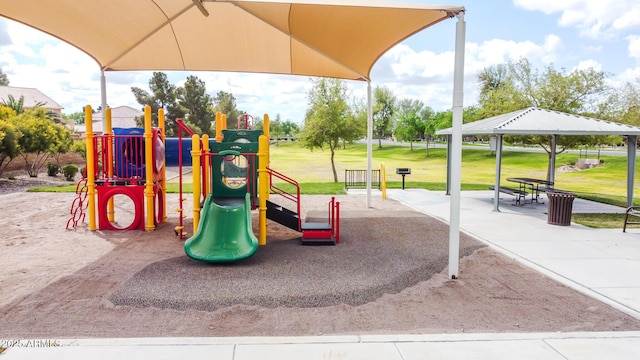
x: 61, y: 284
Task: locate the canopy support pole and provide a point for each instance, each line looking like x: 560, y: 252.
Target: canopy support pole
x: 369, y: 142
x: 103, y: 100
x: 448, y: 189
x: 632, y: 140
x: 496, y: 192
x: 456, y: 149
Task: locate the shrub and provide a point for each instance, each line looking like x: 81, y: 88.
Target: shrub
x: 69, y: 171
x: 52, y: 169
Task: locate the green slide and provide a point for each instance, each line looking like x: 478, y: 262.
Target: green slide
x: 224, y: 233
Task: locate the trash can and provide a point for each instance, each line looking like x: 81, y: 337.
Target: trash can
x: 560, y: 207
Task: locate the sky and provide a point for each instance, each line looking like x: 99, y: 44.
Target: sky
x: 566, y: 34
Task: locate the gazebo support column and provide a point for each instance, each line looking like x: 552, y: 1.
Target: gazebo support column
x: 552, y: 159
x: 632, y: 140
x: 496, y: 195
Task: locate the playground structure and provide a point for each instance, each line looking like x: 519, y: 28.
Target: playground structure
x: 123, y: 163
x: 231, y: 178
x: 234, y: 180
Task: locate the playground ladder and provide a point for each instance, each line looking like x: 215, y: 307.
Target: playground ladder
x: 79, y: 205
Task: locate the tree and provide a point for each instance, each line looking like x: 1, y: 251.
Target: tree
x: 9, y: 136
x: 163, y: 95
x: 39, y: 136
x: 16, y: 105
x: 383, y: 109
x: 289, y: 128
x: 275, y: 128
x: 515, y: 86
x: 197, y: 104
x: 226, y: 103
x: 4, y: 80
x: 624, y: 104
x: 77, y: 117
x: 63, y: 144
x: 411, y: 123
x: 518, y: 86
x: 326, y: 117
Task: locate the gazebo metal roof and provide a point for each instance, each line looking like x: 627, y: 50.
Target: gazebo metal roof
x: 536, y: 121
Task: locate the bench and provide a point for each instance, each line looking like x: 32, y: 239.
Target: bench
x: 519, y: 194
x: 633, y: 211
x: 357, y: 179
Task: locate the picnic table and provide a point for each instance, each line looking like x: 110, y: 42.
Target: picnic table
x: 535, y: 186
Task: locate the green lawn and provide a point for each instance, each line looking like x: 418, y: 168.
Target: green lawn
x: 312, y: 169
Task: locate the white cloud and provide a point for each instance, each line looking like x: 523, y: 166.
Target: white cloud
x: 588, y: 64
x: 593, y: 18
x: 428, y: 76
x: 634, y: 47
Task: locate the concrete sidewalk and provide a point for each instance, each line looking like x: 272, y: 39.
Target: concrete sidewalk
x: 543, y: 346
x: 604, y: 264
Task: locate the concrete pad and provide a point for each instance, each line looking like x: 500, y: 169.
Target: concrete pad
x: 628, y: 296
x: 157, y: 352
x: 595, y: 273
x: 357, y: 351
x: 597, y: 349
x: 490, y: 350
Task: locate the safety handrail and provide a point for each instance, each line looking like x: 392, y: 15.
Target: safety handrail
x: 285, y: 194
x: 182, y: 126
x: 334, y: 218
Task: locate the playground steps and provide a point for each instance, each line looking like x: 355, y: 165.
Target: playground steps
x: 283, y: 216
x: 313, y: 233
x: 317, y: 234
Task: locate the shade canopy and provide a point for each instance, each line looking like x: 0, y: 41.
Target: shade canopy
x: 536, y: 121
x: 340, y: 39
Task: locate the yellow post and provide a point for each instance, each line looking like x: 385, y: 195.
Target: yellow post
x: 111, y: 212
x: 265, y: 131
x: 266, y: 124
x: 263, y: 189
x: 223, y: 118
x: 148, y: 160
x: 206, y: 166
x: 218, y: 127
x: 91, y: 175
x: 164, y: 167
x: 383, y: 180
x: 195, y: 158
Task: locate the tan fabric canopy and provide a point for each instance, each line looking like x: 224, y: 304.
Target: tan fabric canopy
x: 341, y: 39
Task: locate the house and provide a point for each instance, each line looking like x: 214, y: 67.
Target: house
x: 121, y: 117
x: 31, y: 97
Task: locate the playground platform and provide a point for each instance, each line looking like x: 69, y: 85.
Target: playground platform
x: 601, y: 263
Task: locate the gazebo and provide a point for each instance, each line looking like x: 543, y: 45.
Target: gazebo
x: 536, y: 121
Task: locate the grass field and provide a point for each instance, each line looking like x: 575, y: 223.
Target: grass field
x: 312, y: 169
x: 606, y: 182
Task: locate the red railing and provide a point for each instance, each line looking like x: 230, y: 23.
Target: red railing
x: 180, y: 228
x: 334, y: 218
x: 282, y: 192
x: 123, y: 155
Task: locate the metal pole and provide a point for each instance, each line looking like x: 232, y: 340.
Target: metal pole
x: 448, y: 189
x: 103, y: 99
x: 369, y: 142
x: 552, y: 160
x: 632, y: 140
x: 456, y: 149
x: 496, y: 192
